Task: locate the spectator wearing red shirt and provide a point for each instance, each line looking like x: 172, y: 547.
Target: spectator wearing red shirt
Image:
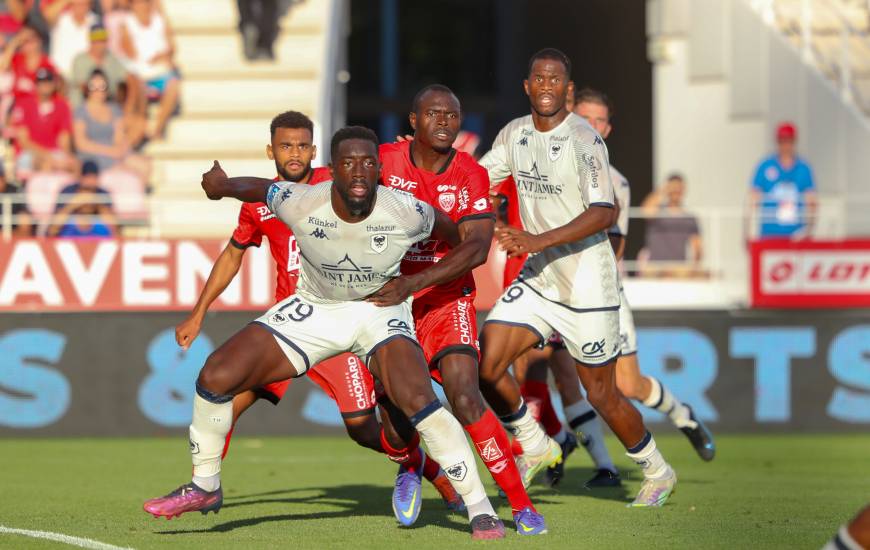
x: 43, y: 127
x: 24, y: 55
x: 12, y: 15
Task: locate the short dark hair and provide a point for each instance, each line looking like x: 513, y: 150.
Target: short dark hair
x: 86, y: 92
x: 555, y: 55
x: 440, y: 88
x: 291, y: 119
x: 676, y: 176
x: 591, y: 95
x: 352, y: 132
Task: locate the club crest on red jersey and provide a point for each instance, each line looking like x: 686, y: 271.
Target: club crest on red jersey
x: 447, y: 201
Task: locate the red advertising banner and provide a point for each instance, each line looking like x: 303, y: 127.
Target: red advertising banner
x: 811, y: 273
x: 146, y: 275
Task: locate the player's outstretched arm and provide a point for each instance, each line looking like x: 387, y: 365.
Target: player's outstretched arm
x: 398, y: 289
x: 517, y: 242
x: 222, y: 273
x: 475, y: 238
x: 217, y: 185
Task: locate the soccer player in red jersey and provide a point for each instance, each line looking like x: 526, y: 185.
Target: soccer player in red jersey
x: 440, y: 279
x: 343, y: 377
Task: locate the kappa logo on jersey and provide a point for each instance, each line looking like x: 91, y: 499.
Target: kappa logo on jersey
x: 489, y: 450
x: 481, y: 204
x: 379, y: 243
x: 555, y: 151
x: 598, y: 140
x: 593, y: 349
x: 402, y: 184
x: 447, y: 201
x: 264, y: 213
x: 524, y: 141
x: 397, y: 326
x: 419, y: 208
x: 319, y: 234
x: 457, y: 471
x: 533, y: 173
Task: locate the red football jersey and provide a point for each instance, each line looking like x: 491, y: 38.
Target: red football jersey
x: 460, y: 190
x: 255, y: 220
x: 512, y: 266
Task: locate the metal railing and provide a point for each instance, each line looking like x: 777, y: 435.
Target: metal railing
x: 833, y: 35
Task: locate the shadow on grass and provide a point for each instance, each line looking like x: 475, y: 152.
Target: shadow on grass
x: 354, y: 501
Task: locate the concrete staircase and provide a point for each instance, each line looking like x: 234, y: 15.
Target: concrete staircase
x: 227, y: 104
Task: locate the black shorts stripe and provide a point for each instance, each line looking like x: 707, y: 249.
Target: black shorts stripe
x: 387, y: 341
x: 463, y: 349
x: 241, y: 246
x: 287, y: 341
x: 480, y: 216
x: 596, y: 365
x: 357, y: 414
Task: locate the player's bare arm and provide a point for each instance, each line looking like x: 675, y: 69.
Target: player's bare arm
x: 517, y: 242
x: 399, y: 289
x: 222, y: 273
x: 217, y: 185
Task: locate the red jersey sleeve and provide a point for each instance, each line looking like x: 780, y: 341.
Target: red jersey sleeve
x: 247, y: 232
x: 474, y: 200
x: 319, y: 175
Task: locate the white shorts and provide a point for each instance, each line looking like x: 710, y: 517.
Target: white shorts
x: 309, y: 333
x: 627, y: 332
x: 590, y: 336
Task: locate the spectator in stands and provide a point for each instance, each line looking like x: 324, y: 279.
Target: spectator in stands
x: 258, y: 23
x: 147, y: 40
x: 84, y: 209
x: 22, y: 225
x: 12, y: 16
x: 43, y: 126
x: 70, y: 22
x: 783, y: 192
x: 98, y: 128
x: 672, y: 237
x: 24, y: 55
x: 123, y: 85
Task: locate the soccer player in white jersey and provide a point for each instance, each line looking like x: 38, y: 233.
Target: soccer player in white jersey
x: 352, y: 234
x: 596, y: 108
x: 570, y: 282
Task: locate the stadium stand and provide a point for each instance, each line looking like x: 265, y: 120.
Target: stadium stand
x: 227, y: 103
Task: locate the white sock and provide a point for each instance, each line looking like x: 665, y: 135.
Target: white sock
x: 208, y: 431
x: 843, y: 539
x: 585, y: 422
x: 661, y: 399
x: 646, y: 455
x: 561, y: 436
x: 523, y: 426
x: 445, y: 440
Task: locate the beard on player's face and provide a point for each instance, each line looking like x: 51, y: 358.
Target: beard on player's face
x: 357, y: 206
x: 292, y: 174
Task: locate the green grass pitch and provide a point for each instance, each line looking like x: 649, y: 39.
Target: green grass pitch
x: 770, y: 491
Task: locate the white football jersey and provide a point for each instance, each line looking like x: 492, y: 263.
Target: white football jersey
x: 344, y: 261
x: 622, y: 191
x: 558, y: 175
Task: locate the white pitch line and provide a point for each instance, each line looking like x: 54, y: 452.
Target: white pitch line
x: 59, y: 537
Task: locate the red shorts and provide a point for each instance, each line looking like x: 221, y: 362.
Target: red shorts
x: 343, y: 378
x: 448, y: 327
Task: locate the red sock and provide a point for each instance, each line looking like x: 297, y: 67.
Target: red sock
x: 407, y: 457
x: 227, y: 442
x: 534, y: 389
x: 430, y: 467
x: 516, y: 448
x: 491, y: 443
